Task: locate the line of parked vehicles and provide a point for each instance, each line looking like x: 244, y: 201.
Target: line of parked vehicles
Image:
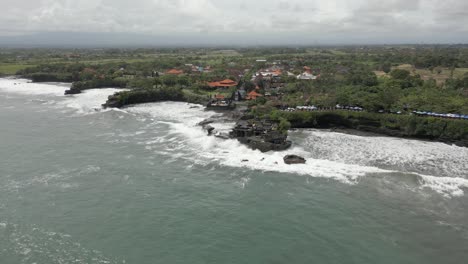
x: 452, y: 116
x: 315, y: 108
x: 311, y: 108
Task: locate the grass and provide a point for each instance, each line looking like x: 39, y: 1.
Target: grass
x: 426, y: 74
x: 11, y: 69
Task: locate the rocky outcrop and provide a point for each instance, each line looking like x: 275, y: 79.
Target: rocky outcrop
x: 206, y: 122
x: 257, y: 143
x: 72, y: 91
x: 140, y: 96
x: 78, y: 87
x: 263, y: 135
x: 294, y: 159
x: 209, y: 129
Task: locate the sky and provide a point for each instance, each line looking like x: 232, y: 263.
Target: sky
x: 244, y: 21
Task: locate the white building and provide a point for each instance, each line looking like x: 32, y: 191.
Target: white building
x: 306, y: 76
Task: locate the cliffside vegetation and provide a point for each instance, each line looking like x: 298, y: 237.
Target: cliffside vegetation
x: 149, y: 95
x: 447, y: 130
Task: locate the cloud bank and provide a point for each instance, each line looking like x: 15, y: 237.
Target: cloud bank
x: 344, y: 21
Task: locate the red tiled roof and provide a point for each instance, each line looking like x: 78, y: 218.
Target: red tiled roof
x: 174, y: 71
x: 253, y: 95
x: 225, y: 83
x: 229, y: 82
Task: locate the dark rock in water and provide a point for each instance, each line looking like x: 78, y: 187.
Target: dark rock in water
x: 263, y: 135
x: 72, y: 91
x: 209, y: 129
x: 206, y: 122
x: 258, y: 143
x: 245, y: 160
x: 194, y: 106
x: 294, y: 159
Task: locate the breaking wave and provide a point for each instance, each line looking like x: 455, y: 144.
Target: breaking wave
x: 337, y: 156
x: 88, y: 101
x: 26, y: 87
x: 342, y: 157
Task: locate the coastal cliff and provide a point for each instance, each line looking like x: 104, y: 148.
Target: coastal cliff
x: 139, y: 96
x: 407, y: 126
x: 77, y: 87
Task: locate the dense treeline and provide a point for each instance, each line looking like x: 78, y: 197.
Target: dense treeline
x: 51, y: 77
x: 79, y: 86
x: 446, y: 130
x: 145, y: 96
x: 150, y: 95
x: 359, y: 86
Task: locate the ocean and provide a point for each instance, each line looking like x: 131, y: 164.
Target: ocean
x: 145, y: 184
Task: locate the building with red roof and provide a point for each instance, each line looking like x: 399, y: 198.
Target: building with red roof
x: 175, y: 72
x: 223, y: 84
x: 253, y: 95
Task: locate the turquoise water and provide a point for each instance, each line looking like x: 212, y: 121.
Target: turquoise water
x: 145, y: 185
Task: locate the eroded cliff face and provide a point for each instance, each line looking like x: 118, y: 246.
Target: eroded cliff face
x: 444, y: 130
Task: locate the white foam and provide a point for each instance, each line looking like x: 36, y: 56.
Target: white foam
x: 204, y: 149
x: 26, y: 87
x: 329, y: 155
x: 385, y: 152
x: 89, y: 101
x: 336, y: 156
x: 446, y: 186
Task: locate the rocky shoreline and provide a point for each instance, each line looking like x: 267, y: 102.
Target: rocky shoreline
x: 257, y: 134
x: 411, y: 127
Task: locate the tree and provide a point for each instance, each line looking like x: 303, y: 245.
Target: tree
x: 169, y: 80
x: 386, y: 67
x: 249, y: 86
x: 389, y: 95
x: 400, y: 74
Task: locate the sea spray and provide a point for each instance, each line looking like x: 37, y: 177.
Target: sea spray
x: 338, y: 156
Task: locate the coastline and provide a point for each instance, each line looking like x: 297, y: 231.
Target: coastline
x: 409, y: 127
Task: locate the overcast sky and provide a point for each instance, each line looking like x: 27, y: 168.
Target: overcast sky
x: 374, y: 21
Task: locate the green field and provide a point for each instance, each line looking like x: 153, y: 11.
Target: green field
x: 13, y: 68
x: 426, y: 74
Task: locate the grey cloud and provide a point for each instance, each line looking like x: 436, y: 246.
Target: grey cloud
x: 395, y: 20
x: 283, y: 5
x: 391, y: 6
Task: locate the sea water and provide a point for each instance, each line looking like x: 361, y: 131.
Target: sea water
x: 145, y: 184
